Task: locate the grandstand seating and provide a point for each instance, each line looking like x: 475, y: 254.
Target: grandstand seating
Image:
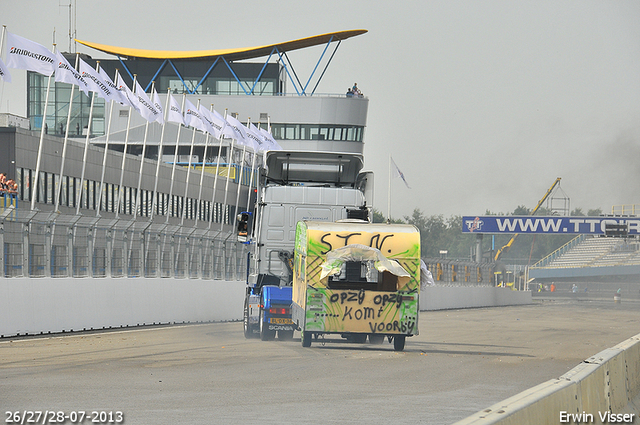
x: 595, y: 252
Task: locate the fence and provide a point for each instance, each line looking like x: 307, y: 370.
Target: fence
x: 44, y: 244
x: 460, y: 272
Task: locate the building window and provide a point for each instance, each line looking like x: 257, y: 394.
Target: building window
x: 317, y: 132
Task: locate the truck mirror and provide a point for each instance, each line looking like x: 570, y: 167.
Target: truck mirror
x: 243, y: 226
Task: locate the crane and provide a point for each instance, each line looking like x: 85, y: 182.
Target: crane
x: 506, y: 247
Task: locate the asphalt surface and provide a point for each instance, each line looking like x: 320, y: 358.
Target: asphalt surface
x: 463, y: 361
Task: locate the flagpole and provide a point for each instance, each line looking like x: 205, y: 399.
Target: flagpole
x: 34, y: 193
x: 389, y: 193
x: 204, y: 159
x: 186, y: 186
x: 226, y: 186
x: 235, y: 216
x: 215, y: 178
x: 175, y: 159
x: 144, y: 149
x: 155, y: 184
x: 4, y: 30
x: 84, y: 158
x: 253, y: 163
x: 104, y: 157
x: 64, y: 143
x: 124, y: 153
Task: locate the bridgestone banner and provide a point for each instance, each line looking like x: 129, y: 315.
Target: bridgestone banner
x: 547, y: 225
x: 25, y: 54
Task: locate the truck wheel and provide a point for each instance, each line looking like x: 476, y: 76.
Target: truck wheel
x: 265, y: 333
x: 360, y: 338
x: 306, y: 339
x: 285, y: 335
x: 376, y: 339
x: 398, y: 342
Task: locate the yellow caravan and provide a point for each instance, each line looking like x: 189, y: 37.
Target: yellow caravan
x: 356, y: 279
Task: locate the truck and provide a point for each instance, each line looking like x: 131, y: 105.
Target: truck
x: 356, y: 279
x: 293, y: 186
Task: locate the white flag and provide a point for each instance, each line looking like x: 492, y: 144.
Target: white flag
x: 275, y: 146
x: 174, y: 114
x: 222, y: 125
x: 192, y: 116
x: 4, y: 72
x: 208, y: 121
x: 144, y: 106
x: 158, y: 106
x: 96, y: 83
x: 398, y: 173
x: 255, y: 136
x: 126, y: 92
x: 65, y: 73
x: 240, y: 132
x: 117, y: 93
x: 25, y: 54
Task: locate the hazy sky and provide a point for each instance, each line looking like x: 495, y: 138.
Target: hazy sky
x: 482, y: 103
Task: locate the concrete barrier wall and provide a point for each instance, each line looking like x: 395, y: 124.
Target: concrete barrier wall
x: 607, y: 383
x: 34, y: 306
x: 30, y: 306
x: 450, y: 297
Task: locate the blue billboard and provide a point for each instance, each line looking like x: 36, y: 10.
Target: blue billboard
x: 548, y: 225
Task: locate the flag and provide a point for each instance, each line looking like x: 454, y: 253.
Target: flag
x: 126, y: 92
x: 398, y: 173
x: 144, y: 106
x: 96, y: 83
x: 65, y: 73
x: 192, y: 116
x: 222, y: 125
x: 205, y: 114
x: 4, y: 72
x: 25, y: 54
x: 118, y: 95
x: 158, y: 106
x: 174, y: 114
x: 239, y: 129
x: 207, y: 120
x: 256, y: 139
x: 275, y: 146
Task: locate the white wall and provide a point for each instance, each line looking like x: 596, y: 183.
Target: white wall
x: 34, y: 306
x: 450, y: 297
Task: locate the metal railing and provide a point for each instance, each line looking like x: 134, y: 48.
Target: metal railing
x: 44, y: 244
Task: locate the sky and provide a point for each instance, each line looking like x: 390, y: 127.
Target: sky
x: 483, y: 104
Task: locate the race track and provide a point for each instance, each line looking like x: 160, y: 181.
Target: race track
x: 462, y: 361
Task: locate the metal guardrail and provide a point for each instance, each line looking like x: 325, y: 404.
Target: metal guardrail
x: 44, y: 244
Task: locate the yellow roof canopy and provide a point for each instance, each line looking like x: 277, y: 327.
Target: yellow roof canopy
x: 229, y: 54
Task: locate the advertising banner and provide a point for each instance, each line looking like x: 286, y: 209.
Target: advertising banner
x: 550, y: 225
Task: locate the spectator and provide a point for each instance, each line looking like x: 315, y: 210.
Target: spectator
x: 12, y: 186
x: 349, y: 92
x: 356, y: 91
x: 3, y: 183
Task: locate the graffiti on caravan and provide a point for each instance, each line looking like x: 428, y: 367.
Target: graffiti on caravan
x: 380, y: 311
x: 333, y: 240
x: 547, y: 225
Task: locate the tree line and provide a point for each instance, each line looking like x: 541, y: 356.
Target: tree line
x: 438, y: 233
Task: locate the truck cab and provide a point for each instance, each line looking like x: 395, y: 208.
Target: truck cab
x: 294, y: 186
